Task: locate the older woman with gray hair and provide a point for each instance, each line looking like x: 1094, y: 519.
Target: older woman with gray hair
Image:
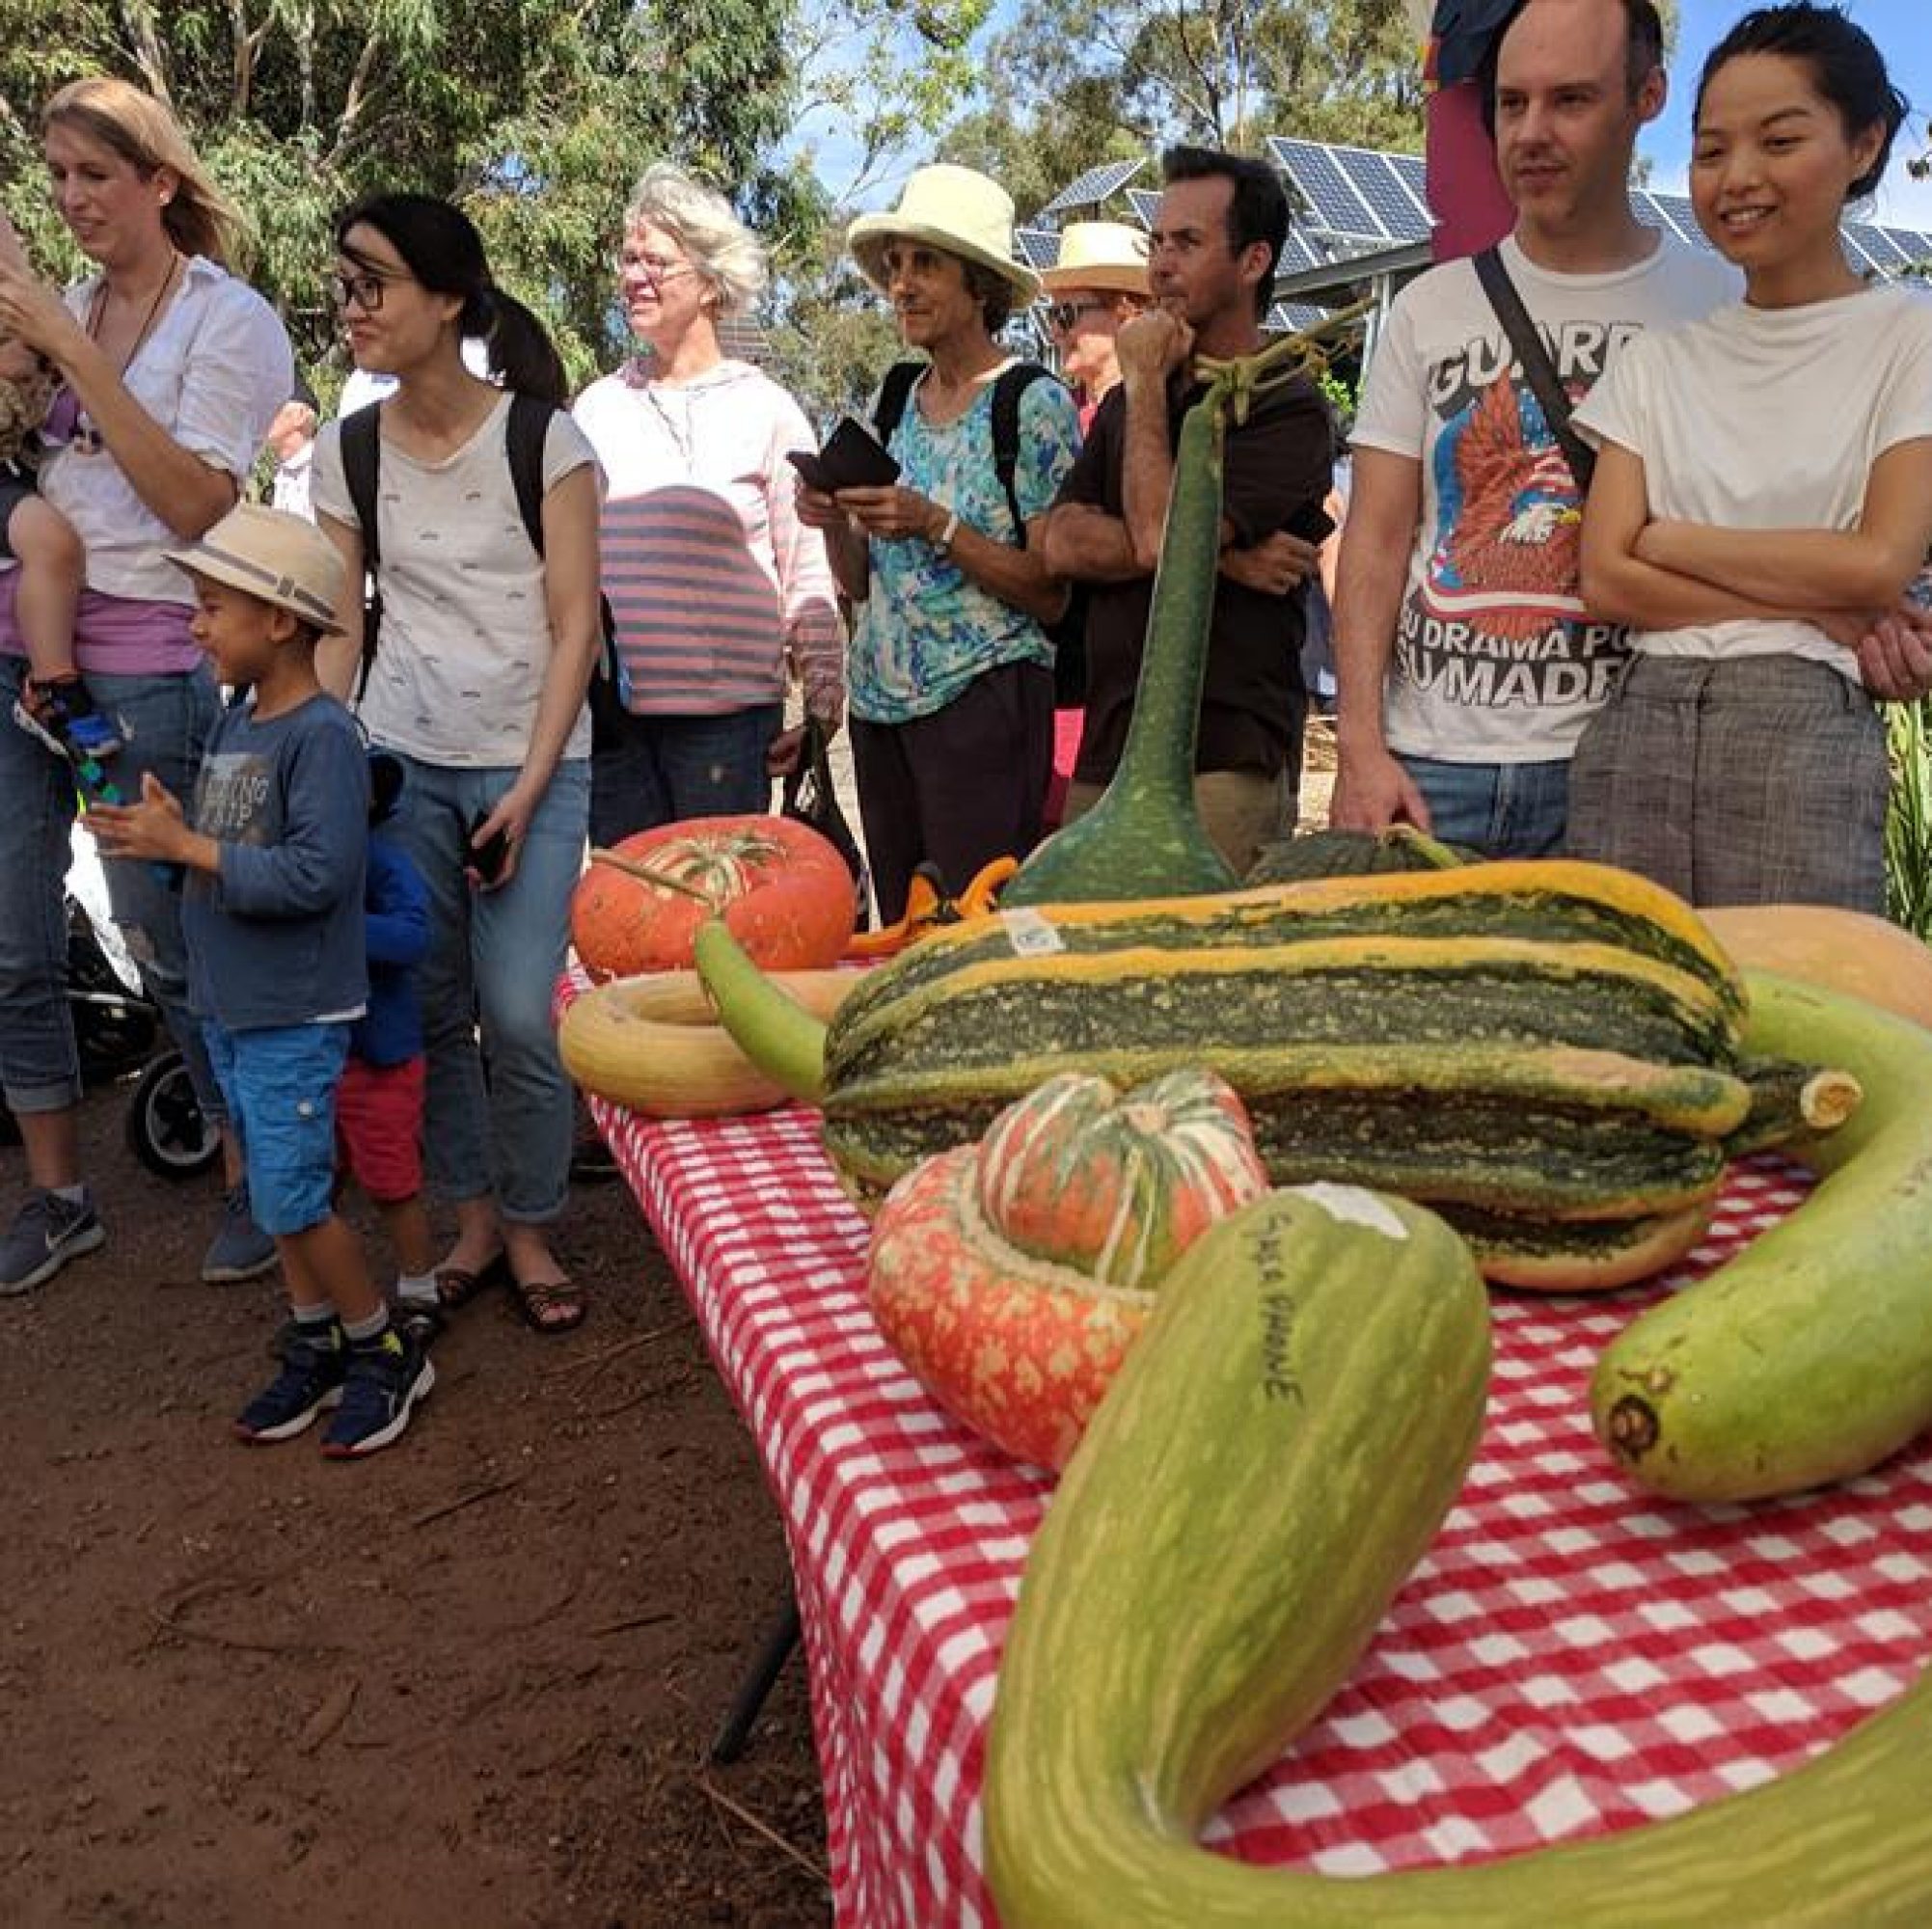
x: 719, y: 591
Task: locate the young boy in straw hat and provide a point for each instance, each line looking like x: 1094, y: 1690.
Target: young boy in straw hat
x: 274, y: 852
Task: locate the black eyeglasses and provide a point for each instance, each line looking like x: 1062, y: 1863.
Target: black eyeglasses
x: 364, y: 290
x: 1062, y: 315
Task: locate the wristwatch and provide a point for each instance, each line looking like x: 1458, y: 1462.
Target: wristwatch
x: 943, y: 541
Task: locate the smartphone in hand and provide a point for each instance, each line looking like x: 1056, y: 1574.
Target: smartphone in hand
x: 853, y: 458
x: 1312, y: 523
x: 487, y: 859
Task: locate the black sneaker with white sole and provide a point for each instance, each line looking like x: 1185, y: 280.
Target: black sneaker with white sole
x: 384, y: 1379
x: 313, y: 1365
x: 46, y: 1232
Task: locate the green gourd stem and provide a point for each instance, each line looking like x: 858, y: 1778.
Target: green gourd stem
x: 1144, y: 838
x: 784, y: 1040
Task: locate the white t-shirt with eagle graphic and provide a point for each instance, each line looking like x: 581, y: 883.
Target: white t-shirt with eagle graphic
x: 1494, y: 660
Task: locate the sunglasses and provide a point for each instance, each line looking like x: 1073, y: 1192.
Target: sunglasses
x: 1062, y: 315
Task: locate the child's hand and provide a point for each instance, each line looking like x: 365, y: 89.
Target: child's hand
x: 154, y: 828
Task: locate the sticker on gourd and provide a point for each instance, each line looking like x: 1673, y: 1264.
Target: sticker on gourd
x: 1031, y: 934
x: 1352, y: 1206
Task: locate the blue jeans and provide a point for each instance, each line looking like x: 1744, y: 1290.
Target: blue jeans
x: 280, y: 1082
x: 493, y: 961
x: 1503, y: 810
x: 664, y: 769
x: 168, y: 718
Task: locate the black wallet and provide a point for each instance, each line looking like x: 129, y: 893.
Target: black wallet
x: 853, y: 458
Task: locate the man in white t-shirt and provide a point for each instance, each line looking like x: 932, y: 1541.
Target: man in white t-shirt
x: 1466, y: 665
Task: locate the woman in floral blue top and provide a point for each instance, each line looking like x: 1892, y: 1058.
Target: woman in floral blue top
x: 950, y: 686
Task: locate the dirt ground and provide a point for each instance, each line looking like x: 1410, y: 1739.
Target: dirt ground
x: 469, y: 1681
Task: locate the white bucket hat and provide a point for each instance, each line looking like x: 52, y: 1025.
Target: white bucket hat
x: 1106, y: 254
x: 268, y: 554
x: 957, y: 209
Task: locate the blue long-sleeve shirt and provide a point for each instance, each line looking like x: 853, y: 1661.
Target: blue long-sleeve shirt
x: 275, y: 936
x: 395, y: 904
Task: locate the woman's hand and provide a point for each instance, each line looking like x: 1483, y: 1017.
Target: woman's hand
x: 1896, y: 656
x: 35, y: 314
x: 509, y: 818
x: 818, y: 508
x: 893, y: 514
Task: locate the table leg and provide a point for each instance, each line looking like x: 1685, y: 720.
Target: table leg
x: 728, y: 1744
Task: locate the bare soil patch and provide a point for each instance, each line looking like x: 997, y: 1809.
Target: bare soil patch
x: 469, y: 1681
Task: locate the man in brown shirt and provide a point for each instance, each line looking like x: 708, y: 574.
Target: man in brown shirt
x: 1217, y: 234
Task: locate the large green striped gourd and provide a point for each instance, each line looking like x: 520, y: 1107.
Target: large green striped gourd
x: 1277, y: 1450
x: 1519, y: 1045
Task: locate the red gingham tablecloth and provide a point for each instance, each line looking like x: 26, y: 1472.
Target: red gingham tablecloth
x: 1567, y: 1659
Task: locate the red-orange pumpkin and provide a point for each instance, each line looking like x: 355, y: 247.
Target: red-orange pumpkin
x: 1013, y: 1276
x: 783, y: 889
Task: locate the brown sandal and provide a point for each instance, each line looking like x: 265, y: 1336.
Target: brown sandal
x: 553, y: 1307
x: 456, y: 1285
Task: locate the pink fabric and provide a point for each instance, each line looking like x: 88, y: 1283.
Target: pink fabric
x: 1465, y: 192
x: 116, y: 636
x: 1568, y: 1658
x: 1067, y: 727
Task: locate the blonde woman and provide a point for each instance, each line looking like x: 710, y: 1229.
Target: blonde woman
x: 720, y: 591
x: 171, y: 370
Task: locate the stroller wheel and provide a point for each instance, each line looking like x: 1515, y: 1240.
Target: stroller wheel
x: 166, y: 1129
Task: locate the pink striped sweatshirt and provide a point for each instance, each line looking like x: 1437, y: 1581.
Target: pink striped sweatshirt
x: 716, y: 586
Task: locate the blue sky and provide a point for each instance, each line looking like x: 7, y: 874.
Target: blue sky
x: 1900, y: 27
x: 1903, y: 32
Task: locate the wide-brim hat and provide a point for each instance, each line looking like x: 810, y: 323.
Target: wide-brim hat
x: 1106, y: 254
x: 957, y: 209
x: 268, y: 554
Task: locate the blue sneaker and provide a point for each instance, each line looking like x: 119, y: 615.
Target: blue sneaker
x: 240, y: 1249
x: 47, y: 1231
x: 385, y: 1380
x: 314, y: 1368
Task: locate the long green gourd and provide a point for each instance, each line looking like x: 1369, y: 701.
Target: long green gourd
x: 1275, y: 1453
x: 1145, y: 838
x: 1808, y: 1357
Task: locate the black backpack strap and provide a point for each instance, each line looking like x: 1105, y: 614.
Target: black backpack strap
x: 527, y: 430
x: 894, y: 392
x: 1538, y: 370
x: 1012, y: 382
x: 362, y: 462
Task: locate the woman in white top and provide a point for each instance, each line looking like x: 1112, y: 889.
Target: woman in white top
x: 1762, y: 501
x: 171, y: 370
x: 718, y: 589
x: 477, y: 684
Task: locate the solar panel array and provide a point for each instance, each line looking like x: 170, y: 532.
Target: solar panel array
x: 1090, y: 189
x: 1371, y: 198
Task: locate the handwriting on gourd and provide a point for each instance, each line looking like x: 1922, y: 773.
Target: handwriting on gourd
x: 1278, y: 1312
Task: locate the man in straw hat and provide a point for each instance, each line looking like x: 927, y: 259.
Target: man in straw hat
x: 1097, y: 286
x: 274, y: 850
x: 1217, y: 234
x: 950, y: 686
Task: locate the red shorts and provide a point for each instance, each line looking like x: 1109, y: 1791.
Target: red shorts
x: 379, y: 1127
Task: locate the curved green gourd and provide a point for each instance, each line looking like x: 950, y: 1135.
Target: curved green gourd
x: 1145, y: 838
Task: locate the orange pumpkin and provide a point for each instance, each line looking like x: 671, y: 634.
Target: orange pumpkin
x: 781, y: 888
x: 1850, y: 951
x: 1013, y: 1276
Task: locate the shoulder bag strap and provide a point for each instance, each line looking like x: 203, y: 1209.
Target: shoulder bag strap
x: 894, y: 392
x: 1011, y: 385
x: 362, y: 461
x: 1537, y: 369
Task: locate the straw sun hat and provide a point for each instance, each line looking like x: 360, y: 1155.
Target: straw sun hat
x: 1106, y: 254
x: 956, y: 210
x: 272, y: 556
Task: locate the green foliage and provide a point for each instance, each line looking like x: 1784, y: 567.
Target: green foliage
x: 1908, y: 827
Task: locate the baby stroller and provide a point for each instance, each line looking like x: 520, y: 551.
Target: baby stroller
x: 117, y: 1029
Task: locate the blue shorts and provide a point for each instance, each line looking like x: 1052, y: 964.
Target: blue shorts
x: 280, y: 1084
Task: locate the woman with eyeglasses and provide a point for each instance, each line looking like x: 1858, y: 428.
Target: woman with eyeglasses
x: 171, y: 369
x: 484, y: 649
x: 720, y: 592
